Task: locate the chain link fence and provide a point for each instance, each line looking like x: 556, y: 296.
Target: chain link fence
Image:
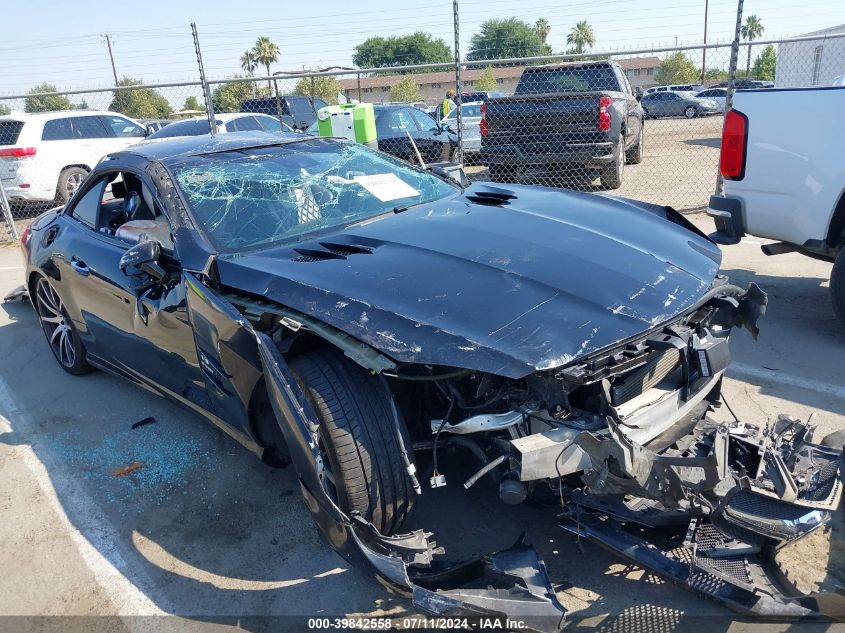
x: 643, y: 124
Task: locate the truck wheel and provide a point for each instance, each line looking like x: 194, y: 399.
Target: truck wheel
x: 362, y: 468
x: 690, y: 112
x: 501, y: 173
x: 69, y: 181
x: 634, y: 155
x: 837, y: 286
x: 611, y: 174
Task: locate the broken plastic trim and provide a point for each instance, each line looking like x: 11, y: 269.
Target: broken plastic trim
x: 519, y: 585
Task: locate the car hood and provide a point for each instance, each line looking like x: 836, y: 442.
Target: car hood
x: 507, y: 281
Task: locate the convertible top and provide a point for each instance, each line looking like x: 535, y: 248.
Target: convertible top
x: 161, y: 149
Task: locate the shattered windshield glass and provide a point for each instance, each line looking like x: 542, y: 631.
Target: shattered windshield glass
x: 257, y: 197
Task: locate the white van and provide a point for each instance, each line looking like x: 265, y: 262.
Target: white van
x: 675, y: 88
x: 46, y: 156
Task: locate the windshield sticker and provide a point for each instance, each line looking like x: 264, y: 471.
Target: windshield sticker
x: 386, y: 187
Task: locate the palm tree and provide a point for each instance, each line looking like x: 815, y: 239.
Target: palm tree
x: 248, y: 62
x: 581, y: 37
x: 266, y: 52
x: 542, y: 28
x: 751, y: 30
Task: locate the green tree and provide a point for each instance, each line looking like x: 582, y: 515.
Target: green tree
x: 487, y: 81
x: 750, y: 31
x: 402, y: 50
x: 4, y: 109
x: 542, y: 28
x: 406, y: 90
x: 266, y: 52
x: 504, y: 39
x: 716, y: 74
x: 141, y: 103
x: 765, y: 64
x: 46, y: 103
x: 192, y: 103
x: 227, y: 97
x: 677, y: 69
x: 581, y: 38
x: 325, y: 88
x: 248, y: 62
x: 83, y: 105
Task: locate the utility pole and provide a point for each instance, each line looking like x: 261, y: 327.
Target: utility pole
x: 459, y: 118
x: 206, y: 90
x: 111, y: 57
x: 704, y: 48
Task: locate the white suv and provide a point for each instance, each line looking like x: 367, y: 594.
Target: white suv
x: 46, y: 156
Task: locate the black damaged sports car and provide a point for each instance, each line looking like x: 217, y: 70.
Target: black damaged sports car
x: 333, y: 307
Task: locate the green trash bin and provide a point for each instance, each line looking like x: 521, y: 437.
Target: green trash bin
x: 354, y: 121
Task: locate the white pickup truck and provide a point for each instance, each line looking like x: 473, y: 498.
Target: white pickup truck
x: 783, y: 163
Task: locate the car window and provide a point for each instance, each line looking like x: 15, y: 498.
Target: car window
x: 189, y: 127
x: 255, y: 197
x: 90, y: 127
x: 87, y: 208
x: 9, y: 132
x: 319, y: 103
x: 246, y: 124
x: 567, y: 79
x: 299, y: 106
x: 57, y: 130
x: 424, y: 121
x: 123, y: 128
x: 401, y: 121
x: 269, y: 123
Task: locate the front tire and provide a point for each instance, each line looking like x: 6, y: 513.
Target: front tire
x: 61, y: 334
x: 691, y: 112
x: 362, y: 465
x: 837, y: 286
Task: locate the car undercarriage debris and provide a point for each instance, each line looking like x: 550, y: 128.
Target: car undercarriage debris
x: 710, y: 510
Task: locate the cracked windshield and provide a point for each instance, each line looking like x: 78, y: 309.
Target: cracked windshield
x: 257, y: 197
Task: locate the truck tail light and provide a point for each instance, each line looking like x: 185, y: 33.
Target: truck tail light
x: 482, y: 126
x: 604, y: 113
x: 17, y: 152
x: 734, y: 145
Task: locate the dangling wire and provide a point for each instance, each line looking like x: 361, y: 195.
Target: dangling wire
x: 437, y: 435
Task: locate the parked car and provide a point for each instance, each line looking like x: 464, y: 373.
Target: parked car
x: 786, y: 182
x: 472, y: 97
x: 394, y: 122
x: 564, y: 118
x: 46, y: 156
x: 675, y: 88
x: 744, y: 83
x: 719, y: 95
x: 669, y: 103
x: 297, y: 111
x: 226, y: 122
x: 154, y: 125
x: 336, y: 308
x: 471, y: 123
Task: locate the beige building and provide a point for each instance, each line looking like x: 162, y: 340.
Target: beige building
x: 433, y: 86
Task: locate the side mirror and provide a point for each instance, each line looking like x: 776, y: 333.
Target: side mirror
x: 638, y: 93
x: 143, y: 258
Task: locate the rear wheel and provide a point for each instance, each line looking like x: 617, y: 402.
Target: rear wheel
x: 59, y: 329
x: 634, y: 155
x: 70, y: 180
x: 362, y: 465
x: 611, y: 174
x: 837, y: 286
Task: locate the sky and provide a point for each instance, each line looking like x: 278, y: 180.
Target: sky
x: 67, y: 48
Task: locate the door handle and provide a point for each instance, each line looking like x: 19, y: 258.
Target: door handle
x: 79, y: 266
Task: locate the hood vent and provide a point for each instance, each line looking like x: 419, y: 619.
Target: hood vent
x: 491, y: 196
x: 332, y: 251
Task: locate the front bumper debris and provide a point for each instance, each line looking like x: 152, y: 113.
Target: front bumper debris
x: 709, y: 511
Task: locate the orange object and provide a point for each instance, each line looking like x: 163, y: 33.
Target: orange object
x: 131, y: 468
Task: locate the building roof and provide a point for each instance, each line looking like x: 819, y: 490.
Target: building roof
x: 832, y: 30
x: 471, y: 74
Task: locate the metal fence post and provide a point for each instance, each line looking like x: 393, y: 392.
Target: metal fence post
x: 206, y: 91
x: 729, y: 95
x: 458, y: 115
x: 7, y: 214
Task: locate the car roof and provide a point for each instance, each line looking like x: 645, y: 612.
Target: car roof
x: 56, y: 114
x: 176, y: 146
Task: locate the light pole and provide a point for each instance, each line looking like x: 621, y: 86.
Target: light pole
x: 704, y: 48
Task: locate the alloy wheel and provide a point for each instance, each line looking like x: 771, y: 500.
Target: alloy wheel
x: 690, y: 112
x: 72, y: 184
x: 56, y: 323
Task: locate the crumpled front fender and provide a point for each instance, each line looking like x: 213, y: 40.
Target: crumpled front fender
x: 518, y: 585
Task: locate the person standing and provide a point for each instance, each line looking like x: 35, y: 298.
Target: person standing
x: 448, y: 104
